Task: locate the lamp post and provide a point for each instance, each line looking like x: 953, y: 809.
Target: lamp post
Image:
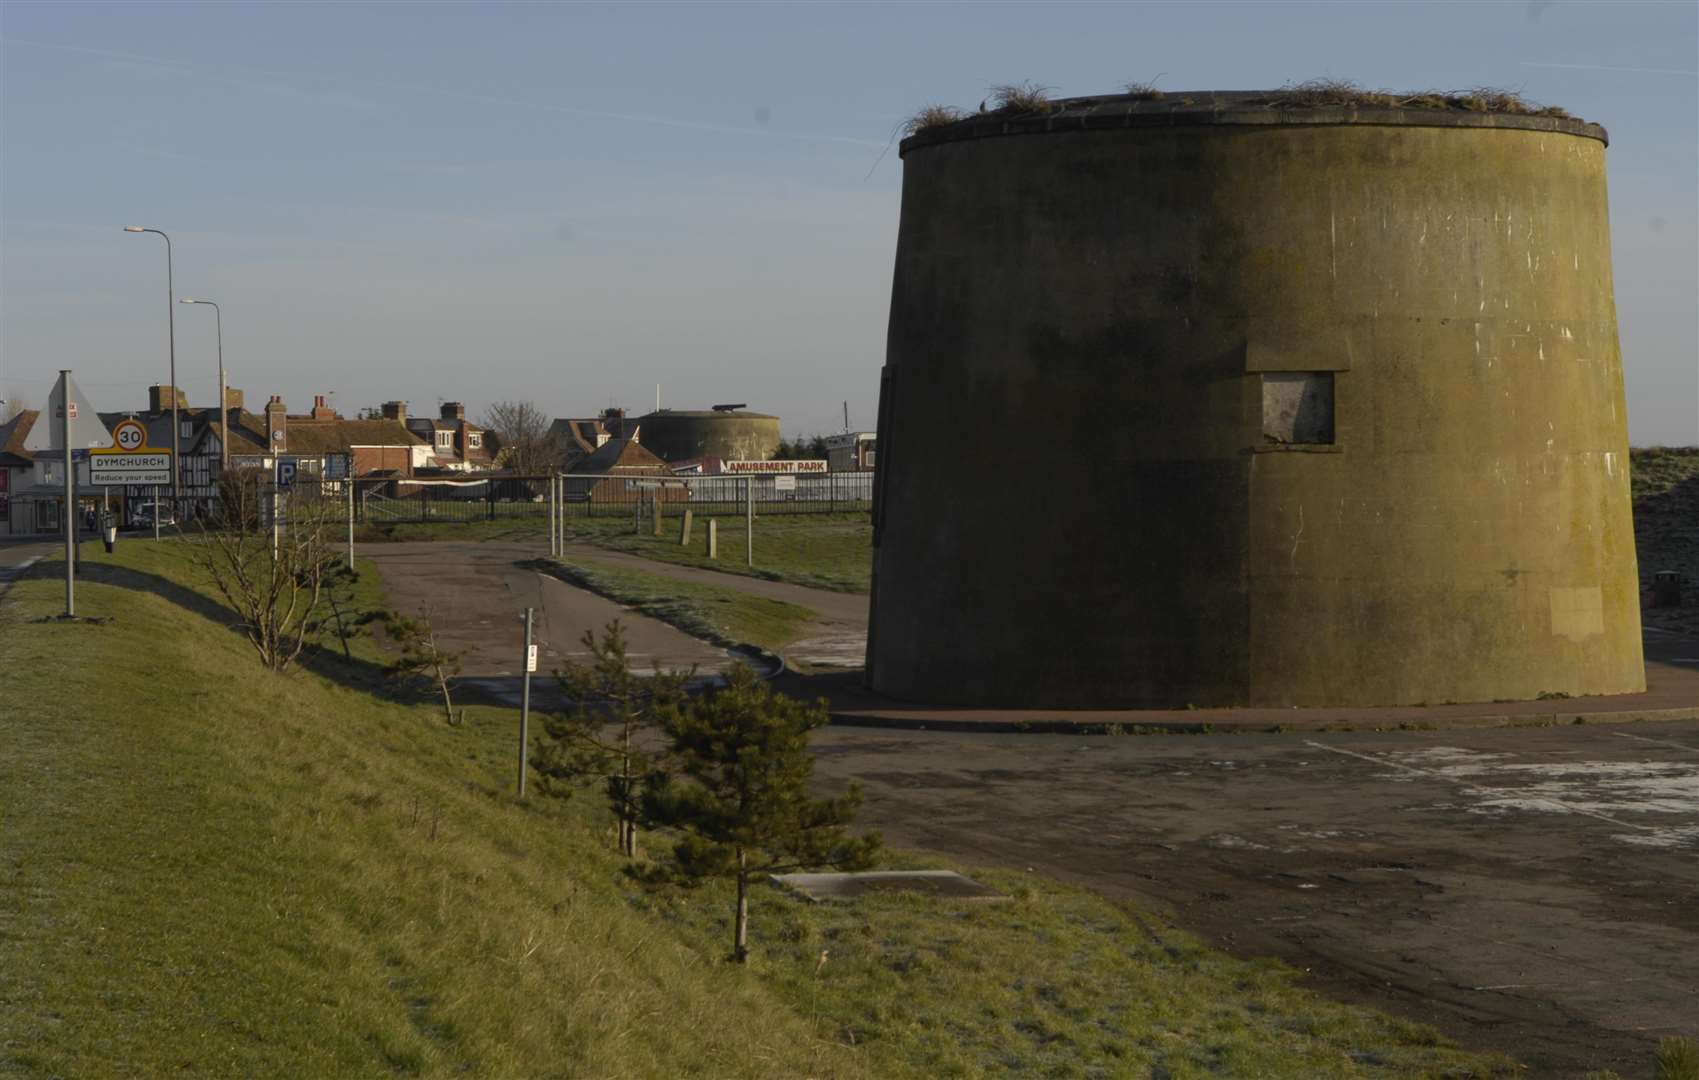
x: 223, y: 406
x: 171, y: 330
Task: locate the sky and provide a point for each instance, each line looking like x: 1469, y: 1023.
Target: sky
x: 570, y: 204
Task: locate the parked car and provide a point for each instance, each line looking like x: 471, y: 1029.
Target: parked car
x: 143, y: 516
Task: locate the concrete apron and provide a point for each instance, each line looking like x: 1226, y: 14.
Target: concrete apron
x: 1672, y: 693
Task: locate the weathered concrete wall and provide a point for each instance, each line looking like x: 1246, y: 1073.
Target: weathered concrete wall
x: 1465, y: 537
x: 681, y: 436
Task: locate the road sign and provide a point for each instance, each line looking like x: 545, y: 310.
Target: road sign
x: 286, y: 472
x: 336, y: 466
x: 784, y: 483
x: 129, y: 435
x: 48, y: 432
x: 123, y: 467
x: 530, y: 658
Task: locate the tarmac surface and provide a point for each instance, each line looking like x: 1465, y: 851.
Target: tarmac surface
x: 1528, y: 890
x: 17, y: 556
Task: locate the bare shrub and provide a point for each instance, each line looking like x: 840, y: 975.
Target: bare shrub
x: 1143, y: 91
x: 274, y: 579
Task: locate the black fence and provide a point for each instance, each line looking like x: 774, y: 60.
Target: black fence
x: 400, y: 500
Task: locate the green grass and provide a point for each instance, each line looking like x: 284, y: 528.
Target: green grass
x: 821, y: 551
x: 717, y: 613
x: 1654, y: 470
x: 210, y: 870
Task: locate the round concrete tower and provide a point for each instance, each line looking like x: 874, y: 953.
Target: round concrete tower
x: 1208, y: 401
x: 731, y: 433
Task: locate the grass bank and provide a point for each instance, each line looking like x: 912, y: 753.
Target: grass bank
x: 716, y: 613
x: 822, y: 551
x: 209, y: 870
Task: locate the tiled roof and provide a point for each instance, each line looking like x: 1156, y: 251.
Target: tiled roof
x: 619, y: 455
x: 12, y: 435
x: 331, y: 436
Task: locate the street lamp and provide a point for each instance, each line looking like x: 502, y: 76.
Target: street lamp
x: 171, y: 325
x: 223, y: 409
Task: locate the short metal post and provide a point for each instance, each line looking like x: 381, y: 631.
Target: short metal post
x: 560, y: 513
x: 525, y: 702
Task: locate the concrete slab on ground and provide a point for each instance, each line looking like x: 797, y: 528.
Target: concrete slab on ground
x: 941, y: 883
x: 1672, y: 693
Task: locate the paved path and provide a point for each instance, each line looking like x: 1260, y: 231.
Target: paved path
x: 1530, y: 890
x: 18, y: 556
x: 477, y: 592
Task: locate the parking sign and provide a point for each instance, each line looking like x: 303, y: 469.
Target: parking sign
x: 285, y: 473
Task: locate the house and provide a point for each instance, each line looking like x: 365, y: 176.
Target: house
x: 616, y: 458
x: 324, y: 444
x: 21, y: 513
x: 851, y: 452
x: 456, y: 445
x: 579, y: 438
x: 34, y: 486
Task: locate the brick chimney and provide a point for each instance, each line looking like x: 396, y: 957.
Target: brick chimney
x: 395, y: 410
x: 321, y: 411
x: 277, y: 424
x: 159, y: 398
x: 453, y: 410
x: 232, y: 399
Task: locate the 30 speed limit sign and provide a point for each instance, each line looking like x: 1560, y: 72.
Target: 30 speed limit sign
x: 129, y: 435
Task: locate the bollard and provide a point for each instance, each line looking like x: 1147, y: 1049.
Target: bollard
x: 655, y: 507
x: 1666, y: 588
x: 684, y: 527
x: 713, y: 539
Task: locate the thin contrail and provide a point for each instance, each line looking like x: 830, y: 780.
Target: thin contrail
x: 1607, y: 67
x: 483, y: 99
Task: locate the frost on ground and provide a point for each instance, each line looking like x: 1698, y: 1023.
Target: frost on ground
x: 1609, y: 790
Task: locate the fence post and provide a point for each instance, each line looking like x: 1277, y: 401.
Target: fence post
x: 749, y: 521
x: 350, y: 523
x: 554, y: 546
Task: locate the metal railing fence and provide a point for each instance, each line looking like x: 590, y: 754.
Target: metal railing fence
x: 400, y: 500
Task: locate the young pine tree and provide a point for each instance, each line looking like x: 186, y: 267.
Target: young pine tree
x: 740, y: 793
x: 422, y: 656
x: 598, y: 740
